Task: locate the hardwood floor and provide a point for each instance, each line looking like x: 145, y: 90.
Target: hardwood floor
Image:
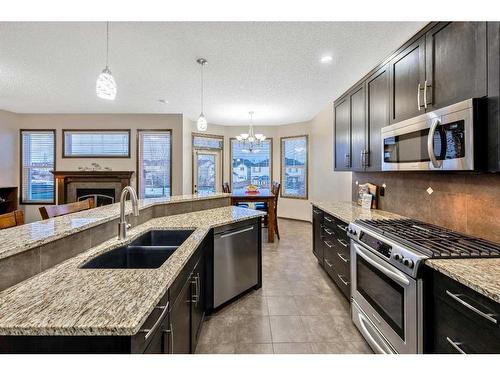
x: 298, y: 310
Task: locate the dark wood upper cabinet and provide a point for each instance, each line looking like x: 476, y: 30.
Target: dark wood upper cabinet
x: 456, y: 63
x: 357, y: 103
x: 377, y: 111
x: 407, y: 77
x: 342, y: 134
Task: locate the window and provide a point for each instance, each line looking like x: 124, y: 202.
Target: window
x: 96, y: 143
x: 207, y: 163
x: 154, y: 163
x: 208, y: 142
x: 38, y: 160
x: 251, y: 167
x: 294, y: 161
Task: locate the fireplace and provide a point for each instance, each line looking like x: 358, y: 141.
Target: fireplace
x: 103, y: 186
x: 102, y: 197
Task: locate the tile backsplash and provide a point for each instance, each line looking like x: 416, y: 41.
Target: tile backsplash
x: 467, y: 203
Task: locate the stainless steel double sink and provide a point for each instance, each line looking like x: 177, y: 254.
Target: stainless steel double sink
x: 149, y: 250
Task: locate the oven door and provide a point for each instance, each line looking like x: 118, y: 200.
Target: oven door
x: 388, y: 297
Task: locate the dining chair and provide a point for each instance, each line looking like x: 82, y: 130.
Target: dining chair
x: 64, y: 209
x: 11, y: 219
x: 275, y: 190
x: 226, y: 188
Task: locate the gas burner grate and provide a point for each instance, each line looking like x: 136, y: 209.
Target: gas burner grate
x: 431, y: 240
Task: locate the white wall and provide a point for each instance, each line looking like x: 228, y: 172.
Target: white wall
x: 326, y: 185
x: 9, y: 154
x: 105, y: 121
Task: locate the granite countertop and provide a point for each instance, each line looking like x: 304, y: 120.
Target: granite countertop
x: 67, y: 300
x: 350, y: 211
x: 481, y: 275
x: 24, y: 237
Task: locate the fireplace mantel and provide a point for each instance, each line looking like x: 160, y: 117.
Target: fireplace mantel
x: 64, y: 178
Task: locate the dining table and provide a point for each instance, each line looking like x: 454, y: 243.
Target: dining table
x: 262, y: 195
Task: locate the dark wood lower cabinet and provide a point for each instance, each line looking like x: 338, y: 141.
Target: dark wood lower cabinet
x: 459, y: 320
x: 331, y: 246
x: 180, y: 321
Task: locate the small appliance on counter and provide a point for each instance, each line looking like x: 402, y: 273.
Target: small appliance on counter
x: 387, y: 290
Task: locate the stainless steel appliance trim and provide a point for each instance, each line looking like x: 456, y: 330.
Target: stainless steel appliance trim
x: 455, y: 345
x: 149, y: 332
x: 236, y: 232
x: 430, y: 144
x: 391, y: 272
x: 457, y: 298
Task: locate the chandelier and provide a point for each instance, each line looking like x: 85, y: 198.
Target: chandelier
x: 250, y: 141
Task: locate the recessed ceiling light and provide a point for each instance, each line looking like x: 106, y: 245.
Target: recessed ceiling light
x: 162, y: 101
x: 326, y: 59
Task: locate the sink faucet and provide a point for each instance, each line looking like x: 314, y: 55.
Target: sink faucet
x: 123, y: 225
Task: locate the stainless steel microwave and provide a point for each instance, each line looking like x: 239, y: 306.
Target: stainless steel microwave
x: 444, y: 139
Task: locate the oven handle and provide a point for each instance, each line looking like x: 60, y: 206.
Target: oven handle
x: 430, y: 144
x: 391, y: 274
x: 363, y: 322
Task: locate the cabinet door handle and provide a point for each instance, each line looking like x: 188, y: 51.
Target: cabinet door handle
x: 342, y: 279
x: 316, y: 211
x: 327, y: 243
x: 229, y: 234
x: 149, y: 332
x: 457, y: 298
x: 419, y: 106
x: 328, y: 263
x: 344, y: 228
x: 425, y: 94
x: 170, y: 333
x: 342, y: 257
x: 342, y: 242
x: 456, y: 345
x: 328, y: 219
x: 328, y: 231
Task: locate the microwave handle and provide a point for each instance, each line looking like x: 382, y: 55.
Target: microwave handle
x: 430, y: 144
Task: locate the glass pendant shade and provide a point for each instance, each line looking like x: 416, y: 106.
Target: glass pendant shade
x: 105, y: 87
x: 201, y: 124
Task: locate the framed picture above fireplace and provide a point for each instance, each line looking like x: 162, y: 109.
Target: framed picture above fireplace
x: 95, y: 143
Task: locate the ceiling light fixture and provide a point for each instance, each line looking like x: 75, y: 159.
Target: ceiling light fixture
x: 251, y: 141
x: 105, y: 87
x: 326, y: 59
x: 201, y: 124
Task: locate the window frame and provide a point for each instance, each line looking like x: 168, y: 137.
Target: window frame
x: 270, y: 139
x: 64, y: 156
x: 21, y: 164
x: 138, y: 138
x: 282, y: 166
x: 193, y: 148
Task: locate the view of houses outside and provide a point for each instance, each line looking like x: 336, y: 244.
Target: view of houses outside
x: 155, y: 164
x: 294, y: 162
x: 206, y: 173
x: 38, y: 161
x: 250, y: 167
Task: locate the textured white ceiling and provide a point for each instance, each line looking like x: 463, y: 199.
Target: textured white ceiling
x: 271, y: 68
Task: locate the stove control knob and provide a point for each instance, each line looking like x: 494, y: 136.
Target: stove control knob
x: 398, y: 257
x: 408, y: 263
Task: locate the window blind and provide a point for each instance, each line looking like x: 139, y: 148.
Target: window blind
x: 90, y: 143
x: 38, y: 155
x: 294, y: 167
x: 208, y: 142
x: 154, y: 163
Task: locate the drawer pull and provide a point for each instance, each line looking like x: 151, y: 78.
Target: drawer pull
x: 328, y: 263
x: 316, y: 211
x: 342, y: 242
x: 344, y: 228
x: 328, y: 231
x: 342, y: 257
x: 342, y: 279
x: 455, y: 345
x: 328, y: 219
x: 457, y: 298
x: 149, y: 332
x: 327, y: 243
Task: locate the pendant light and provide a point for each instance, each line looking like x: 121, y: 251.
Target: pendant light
x: 250, y: 141
x: 105, y: 87
x: 201, y: 124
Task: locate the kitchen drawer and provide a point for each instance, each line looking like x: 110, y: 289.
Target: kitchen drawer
x: 342, y: 259
x: 143, y: 338
x: 343, y: 282
x: 329, y: 234
x: 337, y: 269
x: 468, y: 302
x: 458, y: 333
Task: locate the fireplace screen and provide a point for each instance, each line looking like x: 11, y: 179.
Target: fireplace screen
x: 102, y: 197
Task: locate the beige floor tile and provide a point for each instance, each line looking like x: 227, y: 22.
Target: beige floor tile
x: 282, y: 305
x: 251, y: 305
x: 292, y: 348
x: 244, y: 348
x: 319, y: 328
x: 253, y: 329
x: 215, y: 349
x: 287, y: 329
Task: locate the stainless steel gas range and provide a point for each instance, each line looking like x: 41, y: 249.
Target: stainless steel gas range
x: 386, y: 286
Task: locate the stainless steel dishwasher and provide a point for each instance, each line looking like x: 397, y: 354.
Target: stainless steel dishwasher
x: 236, y: 261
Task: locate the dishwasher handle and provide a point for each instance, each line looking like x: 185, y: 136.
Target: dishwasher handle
x: 235, y: 232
